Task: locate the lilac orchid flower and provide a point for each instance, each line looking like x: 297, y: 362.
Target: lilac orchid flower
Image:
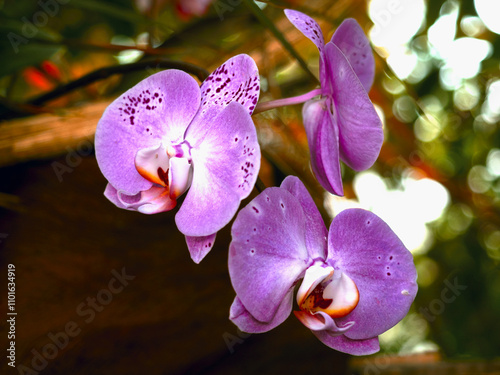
x: 358, y: 279
x: 166, y: 136
x: 342, y: 124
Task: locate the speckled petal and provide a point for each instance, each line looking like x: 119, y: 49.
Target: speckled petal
x: 365, y: 248
x: 268, y: 254
x: 312, y: 31
x: 316, y: 232
x: 346, y: 345
x: 360, y: 129
x: 322, y: 136
x: 235, y: 80
x: 225, y: 167
x: 159, y: 107
x: 199, y: 247
x: 240, y: 316
x: 354, y: 44
x: 307, y: 26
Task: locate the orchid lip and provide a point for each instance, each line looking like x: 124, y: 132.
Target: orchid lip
x: 154, y: 200
x: 167, y: 166
x: 326, y: 290
x: 321, y: 321
x: 152, y: 163
x: 314, y: 275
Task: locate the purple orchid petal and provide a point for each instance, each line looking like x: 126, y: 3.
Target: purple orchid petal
x: 354, y: 44
x: 316, y: 232
x: 240, y: 316
x: 268, y: 252
x: 308, y: 27
x: 225, y: 168
x: 159, y: 107
x: 346, y: 345
x: 365, y: 248
x: 360, y: 129
x: 323, y: 139
x: 237, y: 80
x: 199, y: 247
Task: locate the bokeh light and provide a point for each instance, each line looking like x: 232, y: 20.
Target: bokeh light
x: 424, y: 198
x: 489, y: 10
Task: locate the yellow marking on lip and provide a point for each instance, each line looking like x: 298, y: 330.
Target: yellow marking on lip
x: 150, y: 176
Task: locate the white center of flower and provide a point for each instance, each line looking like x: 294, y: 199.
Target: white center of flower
x: 168, y: 166
x: 325, y: 290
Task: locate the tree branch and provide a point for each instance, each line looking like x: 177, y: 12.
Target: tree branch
x: 106, y: 72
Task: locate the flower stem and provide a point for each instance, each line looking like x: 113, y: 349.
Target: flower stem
x: 266, y: 106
